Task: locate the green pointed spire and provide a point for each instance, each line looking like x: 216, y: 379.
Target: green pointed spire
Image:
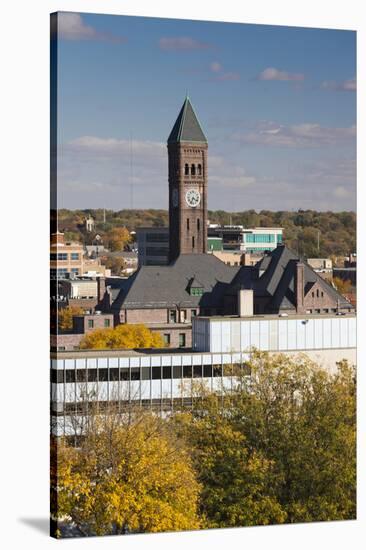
x: 187, y: 127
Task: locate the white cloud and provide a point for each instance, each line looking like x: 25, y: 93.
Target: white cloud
x: 71, y: 26
x: 349, y: 85
x: 271, y: 73
x: 300, y: 135
x: 182, y: 43
x: 215, y: 67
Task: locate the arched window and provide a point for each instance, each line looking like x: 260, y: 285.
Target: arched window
x: 187, y: 224
x: 193, y: 170
x: 192, y: 242
x: 317, y: 293
x: 198, y: 224
x: 186, y: 170
x: 199, y: 169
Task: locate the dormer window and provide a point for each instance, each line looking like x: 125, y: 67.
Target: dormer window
x: 195, y: 288
x: 193, y: 170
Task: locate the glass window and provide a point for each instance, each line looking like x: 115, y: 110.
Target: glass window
x: 53, y: 256
x: 145, y: 373
x: 172, y: 316
x: 156, y: 373
x: 90, y: 323
x: 207, y: 371
x: 75, y: 270
x: 92, y: 375
x: 114, y: 375
x: 197, y: 371
x: 125, y: 374
x: 167, y: 372
x: 74, y: 255
x: 62, y: 256
x: 182, y: 340
x: 166, y: 338
x: 81, y: 375
x: 217, y: 370
x: 70, y: 375
x: 57, y: 376
x: 103, y: 375
x: 135, y: 373
x: 107, y: 323
x: 187, y: 371
x: 193, y: 313
x: 177, y: 371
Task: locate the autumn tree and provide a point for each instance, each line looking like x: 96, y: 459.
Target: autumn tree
x: 122, y: 337
x: 115, y: 264
x: 117, y: 238
x: 129, y: 474
x: 65, y: 316
x: 342, y: 286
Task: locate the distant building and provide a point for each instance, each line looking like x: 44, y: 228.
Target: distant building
x: 322, y: 266
x: 253, y: 240
x: 67, y: 259
x: 235, y: 257
x: 89, y: 224
x: 153, y: 245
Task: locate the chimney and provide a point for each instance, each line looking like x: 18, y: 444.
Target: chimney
x: 101, y: 288
x: 299, y: 287
x: 245, y: 302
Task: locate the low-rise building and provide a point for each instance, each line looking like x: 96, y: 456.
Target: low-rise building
x: 67, y: 259
x: 162, y: 379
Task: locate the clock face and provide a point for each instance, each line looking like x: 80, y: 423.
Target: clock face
x: 175, y: 198
x: 193, y: 198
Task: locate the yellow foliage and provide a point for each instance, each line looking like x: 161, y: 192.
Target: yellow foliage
x: 122, y: 337
x: 117, y: 238
x: 130, y: 476
x: 65, y: 316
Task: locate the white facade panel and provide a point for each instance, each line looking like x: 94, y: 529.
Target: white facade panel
x: 245, y: 336
x: 226, y: 336
x: 69, y: 363
x: 156, y: 389
x: 215, y: 337
x: 336, y: 336
x: 300, y: 334
x: 352, y: 332
x: 134, y: 361
x: 327, y: 333
x: 318, y: 333
x: 291, y: 334
x: 166, y: 360
x: 145, y: 389
x: 309, y: 334
x: 102, y: 362
x: 273, y: 335
x: 282, y: 335
x: 264, y: 335
x: 254, y: 334
x: 166, y: 389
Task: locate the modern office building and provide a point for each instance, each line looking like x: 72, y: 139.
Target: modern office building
x: 162, y: 379
x: 240, y: 238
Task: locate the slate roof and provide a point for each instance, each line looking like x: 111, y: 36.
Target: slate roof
x: 277, y: 283
x: 187, y: 127
x: 167, y: 286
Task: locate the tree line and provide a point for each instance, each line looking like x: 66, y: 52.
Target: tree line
x: 278, y: 447
x: 311, y: 233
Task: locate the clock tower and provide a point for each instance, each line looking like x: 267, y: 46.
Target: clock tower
x: 187, y: 152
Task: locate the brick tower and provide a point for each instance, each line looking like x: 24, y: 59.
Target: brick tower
x: 187, y: 152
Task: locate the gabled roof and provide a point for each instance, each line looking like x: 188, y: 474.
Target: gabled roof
x: 167, y: 286
x: 187, y: 127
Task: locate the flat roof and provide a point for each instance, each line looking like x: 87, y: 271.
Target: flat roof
x: 274, y: 316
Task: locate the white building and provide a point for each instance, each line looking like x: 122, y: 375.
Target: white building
x: 162, y: 379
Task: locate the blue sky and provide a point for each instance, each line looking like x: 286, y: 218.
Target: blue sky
x: 277, y: 104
